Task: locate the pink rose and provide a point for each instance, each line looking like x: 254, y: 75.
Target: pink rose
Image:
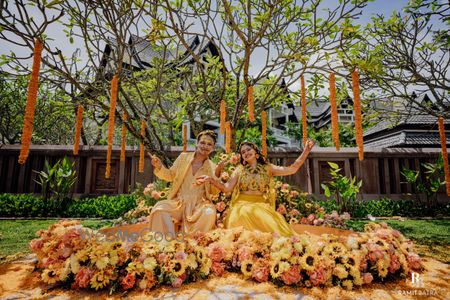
x: 304, y: 220
x: 294, y: 194
x: 318, y: 276
x: 285, y: 186
x: 311, y: 218
x: 156, y: 195
x: 245, y: 253
x: 291, y: 276
x: 218, y: 268
x: 128, y: 281
x: 375, y: 255
x: 36, y: 245
x: 367, y: 278
x: 294, y: 212
x: 177, y: 282
x: 415, y: 261
x: 161, y: 257
x: 281, y: 209
x: 235, y: 159
x: 396, y: 233
x: 83, y: 278
x: 216, y: 253
x: 221, y: 206
x: 260, y: 272
x: 181, y: 255
x: 394, y: 265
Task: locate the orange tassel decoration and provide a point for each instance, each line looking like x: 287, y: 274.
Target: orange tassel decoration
x: 184, y: 138
x: 303, y: 91
x: 264, y: 133
x: 112, y: 116
x: 251, y: 104
x: 223, y: 116
x: 33, y: 87
x: 123, y: 143
x: 358, y: 120
x: 142, y: 148
x: 334, y: 113
x: 78, y: 129
x: 444, y: 154
x: 228, y: 137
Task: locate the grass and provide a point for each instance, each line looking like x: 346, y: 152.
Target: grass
x: 432, y: 237
x: 15, y: 235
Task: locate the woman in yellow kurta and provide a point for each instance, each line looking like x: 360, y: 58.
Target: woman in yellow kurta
x: 253, y: 200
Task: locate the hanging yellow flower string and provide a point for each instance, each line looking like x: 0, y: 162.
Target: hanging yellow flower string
x: 264, y: 133
x: 444, y: 154
x: 123, y: 143
x: 228, y: 137
x: 303, y: 95
x: 78, y: 129
x: 223, y: 116
x: 357, y: 109
x: 142, y: 148
x: 112, y: 116
x: 33, y: 87
x: 251, y: 104
x: 184, y: 138
x: 334, y: 113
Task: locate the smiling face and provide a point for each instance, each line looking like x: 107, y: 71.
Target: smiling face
x: 205, y: 145
x: 248, y: 153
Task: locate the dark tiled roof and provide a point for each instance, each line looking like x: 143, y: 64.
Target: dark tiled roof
x: 417, y: 119
x: 408, y: 139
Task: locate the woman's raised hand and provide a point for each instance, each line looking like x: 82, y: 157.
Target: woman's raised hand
x: 309, y: 145
x: 156, y: 162
x: 202, y: 179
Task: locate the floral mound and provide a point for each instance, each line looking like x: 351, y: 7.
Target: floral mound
x: 67, y: 257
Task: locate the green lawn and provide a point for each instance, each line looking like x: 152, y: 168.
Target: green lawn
x: 432, y: 237
x: 15, y: 235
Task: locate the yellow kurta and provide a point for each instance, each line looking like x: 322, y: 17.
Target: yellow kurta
x: 188, y: 207
x: 256, y: 212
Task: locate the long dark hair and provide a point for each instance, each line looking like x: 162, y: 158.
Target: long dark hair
x: 260, y: 158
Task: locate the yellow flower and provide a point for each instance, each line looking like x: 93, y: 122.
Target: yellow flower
x: 340, y: 272
x: 334, y: 250
x: 177, y: 267
x: 382, y: 267
x: 102, y: 278
x: 74, y: 264
x: 135, y: 268
x: 347, y: 284
x: 278, y: 267
x: 150, y: 264
x: 298, y: 247
x: 191, y: 261
x: 201, y: 254
x: 247, y: 268
x: 308, y: 261
x: 206, y: 266
x: 49, y: 276
x: 403, y: 263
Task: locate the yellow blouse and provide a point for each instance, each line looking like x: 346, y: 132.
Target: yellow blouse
x: 254, y: 179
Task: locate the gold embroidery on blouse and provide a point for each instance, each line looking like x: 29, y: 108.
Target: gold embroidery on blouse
x: 257, y: 179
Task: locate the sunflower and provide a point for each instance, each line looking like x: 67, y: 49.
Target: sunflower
x: 135, y: 268
x: 340, y: 272
x: 177, y: 267
x: 334, y: 250
x: 347, y: 284
x: 247, y: 268
x: 382, y: 267
x: 191, y: 261
x: 74, y: 264
x: 308, y: 261
x: 278, y: 267
x: 382, y: 244
x: 101, y: 279
x: 49, y: 276
x: 150, y: 264
x: 299, y: 248
x: 403, y: 263
x: 206, y: 266
x: 352, y: 259
x: 201, y: 254
x: 357, y: 279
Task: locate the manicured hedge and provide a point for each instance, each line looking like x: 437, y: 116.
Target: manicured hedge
x: 29, y: 205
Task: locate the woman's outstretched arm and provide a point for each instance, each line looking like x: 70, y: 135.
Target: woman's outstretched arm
x: 292, y: 169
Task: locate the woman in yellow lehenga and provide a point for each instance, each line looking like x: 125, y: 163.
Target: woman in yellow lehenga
x: 252, y: 203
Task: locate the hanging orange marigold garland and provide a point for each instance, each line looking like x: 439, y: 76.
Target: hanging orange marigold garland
x: 357, y: 109
x: 33, y: 87
x: 184, y: 138
x: 334, y: 113
x: 78, y: 129
x: 251, y: 104
x: 228, y: 137
x: 303, y: 95
x: 444, y: 154
x: 142, y: 148
x: 112, y: 116
x: 264, y: 133
x: 223, y: 116
x: 123, y: 143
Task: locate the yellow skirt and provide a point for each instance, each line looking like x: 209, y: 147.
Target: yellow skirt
x: 253, y: 213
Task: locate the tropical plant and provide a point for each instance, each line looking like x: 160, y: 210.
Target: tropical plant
x: 343, y: 188
x: 57, y: 181
x: 434, y: 178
